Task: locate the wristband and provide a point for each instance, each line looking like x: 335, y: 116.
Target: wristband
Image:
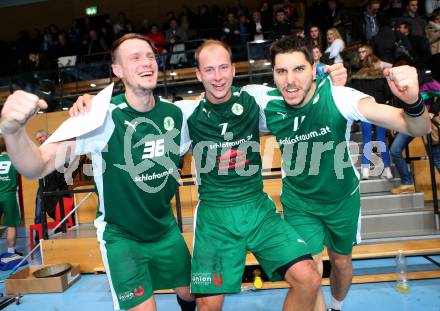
x: 414, y: 110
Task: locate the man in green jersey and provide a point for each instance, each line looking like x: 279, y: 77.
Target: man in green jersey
x: 311, y: 122
x: 135, y: 156
x: 9, y: 208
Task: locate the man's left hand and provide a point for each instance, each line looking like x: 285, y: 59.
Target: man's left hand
x: 337, y: 73
x: 403, y: 82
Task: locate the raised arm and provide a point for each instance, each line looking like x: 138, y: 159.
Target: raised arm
x: 28, y: 159
x: 413, y: 119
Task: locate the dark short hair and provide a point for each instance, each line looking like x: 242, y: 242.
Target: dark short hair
x: 129, y: 36
x: 289, y: 44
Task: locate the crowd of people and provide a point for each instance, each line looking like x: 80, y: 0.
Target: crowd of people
x: 236, y: 25
x: 140, y: 244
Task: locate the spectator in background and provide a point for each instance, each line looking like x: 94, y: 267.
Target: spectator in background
x: 384, y: 43
x: 282, y: 26
x: 157, y: 38
x: 418, y: 46
x: 174, y: 34
x: 335, y: 46
x: 55, y: 181
x: 316, y: 14
x: 315, y: 38
x: 64, y: 47
x: 145, y: 26
x: 333, y: 18
x: 433, y: 31
x: 96, y: 45
x: 257, y: 27
x: 416, y: 22
x: 318, y: 66
x: 244, y: 37
x: 266, y: 11
x: 174, y: 40
x: 370, y: 80
x: 370, y: 20
x: 231, y: 30
x: 9, y: 208
x: 430, y: 92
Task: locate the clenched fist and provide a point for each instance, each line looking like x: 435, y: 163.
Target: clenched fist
x: 403, y: 82
x: 18, y: 109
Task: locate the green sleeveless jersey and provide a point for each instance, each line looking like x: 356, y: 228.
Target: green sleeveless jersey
x: 8, y: 179
x: 314, y: 141
x: 135, y: 158
x: 225, y: 142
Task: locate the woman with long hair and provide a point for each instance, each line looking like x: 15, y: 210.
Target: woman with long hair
x: 335, y: 45
x: 370, y: 80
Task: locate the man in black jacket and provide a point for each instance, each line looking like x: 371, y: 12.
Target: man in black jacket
x: 52, y: 182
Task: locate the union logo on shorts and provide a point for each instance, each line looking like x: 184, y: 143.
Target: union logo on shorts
x: 218, y: 281
x: 139, y: 291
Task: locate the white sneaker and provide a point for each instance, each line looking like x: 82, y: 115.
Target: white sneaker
x: 386, y: 174
x: 365, y: 173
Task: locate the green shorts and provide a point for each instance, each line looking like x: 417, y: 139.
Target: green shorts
x: 11, y: 213
x: 135, y: 269
x: 223, y: 235
x: 335, y: 225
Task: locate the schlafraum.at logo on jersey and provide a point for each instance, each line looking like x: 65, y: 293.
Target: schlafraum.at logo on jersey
x: 151, y: 172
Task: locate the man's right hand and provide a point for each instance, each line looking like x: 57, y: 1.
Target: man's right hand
x: 82, y: 105
x: 18, y: 109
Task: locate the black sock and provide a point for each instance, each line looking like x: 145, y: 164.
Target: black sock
x: 186, y: 305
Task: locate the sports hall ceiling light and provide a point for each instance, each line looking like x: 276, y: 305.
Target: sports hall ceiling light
x: 65, y: 108
x: 251, y: 61
x: 173, y: 73
x: 267, y: 63
x: 265, y: 83
x: 190, y: 92
x: 92, y: 85
x: 40, y: 112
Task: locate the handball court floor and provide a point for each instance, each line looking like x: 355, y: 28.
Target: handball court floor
x: 91, y: 292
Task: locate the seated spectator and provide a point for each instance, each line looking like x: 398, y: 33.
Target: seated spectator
x: 64, y: 47
x: 317, y: 54
x: 174, y: 39
x: 282, y: 26
x: 175, y: 34
x: 433, y: 32
x: 370, y: 80
x: 96, y: 45
x: 315, y: 38
x: 231, y: 30
x: 157, y: 37
x: 335, y: 46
